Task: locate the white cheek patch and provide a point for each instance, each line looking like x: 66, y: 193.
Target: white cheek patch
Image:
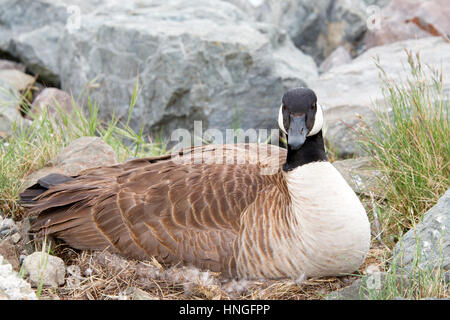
x: 280, y: 120
x: 318, y: 122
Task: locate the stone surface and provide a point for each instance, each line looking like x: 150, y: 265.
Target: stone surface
x: 12, y: 286
x: 341, y: 128
x: 371, y: 286
x: 45, y: 268
x: 52, y: 99
x: 192, y: 61
x: 428, y: 245
x: 410, y: 19
x: 316, y: 27
x: 338, y: 57
x: 9, y: 113
x: 360, y: 175
x: 16, y: 79
x: 83, y: 153
x: 357, y: 83
x: 7, y: 64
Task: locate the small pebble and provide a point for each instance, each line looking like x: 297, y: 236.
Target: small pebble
x: 16, y: 237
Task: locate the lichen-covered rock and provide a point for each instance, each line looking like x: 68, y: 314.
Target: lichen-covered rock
x: 428, y: 245
x: 44, y: 268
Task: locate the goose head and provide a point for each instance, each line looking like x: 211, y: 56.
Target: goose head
x: 300, y: 116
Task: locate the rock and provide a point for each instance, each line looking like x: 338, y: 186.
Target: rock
x: 410, y: 19
x: 16, y: 237
x: 17, y: 79
x: 192, y: 61
x: 11, y: 83
x: 52, y: 99
x: 426, y: 247
x: 9, y: 113
x: 357, y: 83
x: 316, y: 27
x: 83, y: 153
x: 338, y: 57
x: 34, y: 37
x: 7, y: 65
x: 44, y: 268
x: 9, y: 251
x: 12, y: 286
x: 341, y: 126
x: 7, y: 227
x: 360, y: 175
x: 372, y: 286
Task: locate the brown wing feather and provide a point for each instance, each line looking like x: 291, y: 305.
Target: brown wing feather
x: 189, y: 213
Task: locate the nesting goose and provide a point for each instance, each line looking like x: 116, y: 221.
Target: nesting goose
x: 301, y: 219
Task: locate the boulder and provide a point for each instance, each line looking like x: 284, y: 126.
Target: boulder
x: 83, y: 153
x: 9, y: 109
x: 52, y: 99
x: 338, y: 57
x: 16, y: 79
x: 410, y: 19
x: 316, y: 27
x: 341, y: 128
x: 202, y: 61
x: 361, y: 175
x: 44, y: 269
x: 7, y: 65
x: 357, y: 83
x: 427, y: 246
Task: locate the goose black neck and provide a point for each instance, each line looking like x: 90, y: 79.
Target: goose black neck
x: 311, y: 151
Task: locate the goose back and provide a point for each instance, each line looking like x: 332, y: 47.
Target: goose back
x: 188, y: 209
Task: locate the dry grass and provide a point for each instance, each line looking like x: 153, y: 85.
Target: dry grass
x: 104, y: 275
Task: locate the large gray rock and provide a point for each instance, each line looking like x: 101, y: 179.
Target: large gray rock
x: 361, y: 175
x: 205, y: 60
x: 316, y: 27
x: 428, y: 246
x: 341, y: 128
x: 357, y: 83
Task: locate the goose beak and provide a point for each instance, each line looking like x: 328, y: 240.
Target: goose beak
x: 297, y: 131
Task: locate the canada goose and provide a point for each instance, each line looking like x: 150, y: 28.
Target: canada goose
x: 301, y: 220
